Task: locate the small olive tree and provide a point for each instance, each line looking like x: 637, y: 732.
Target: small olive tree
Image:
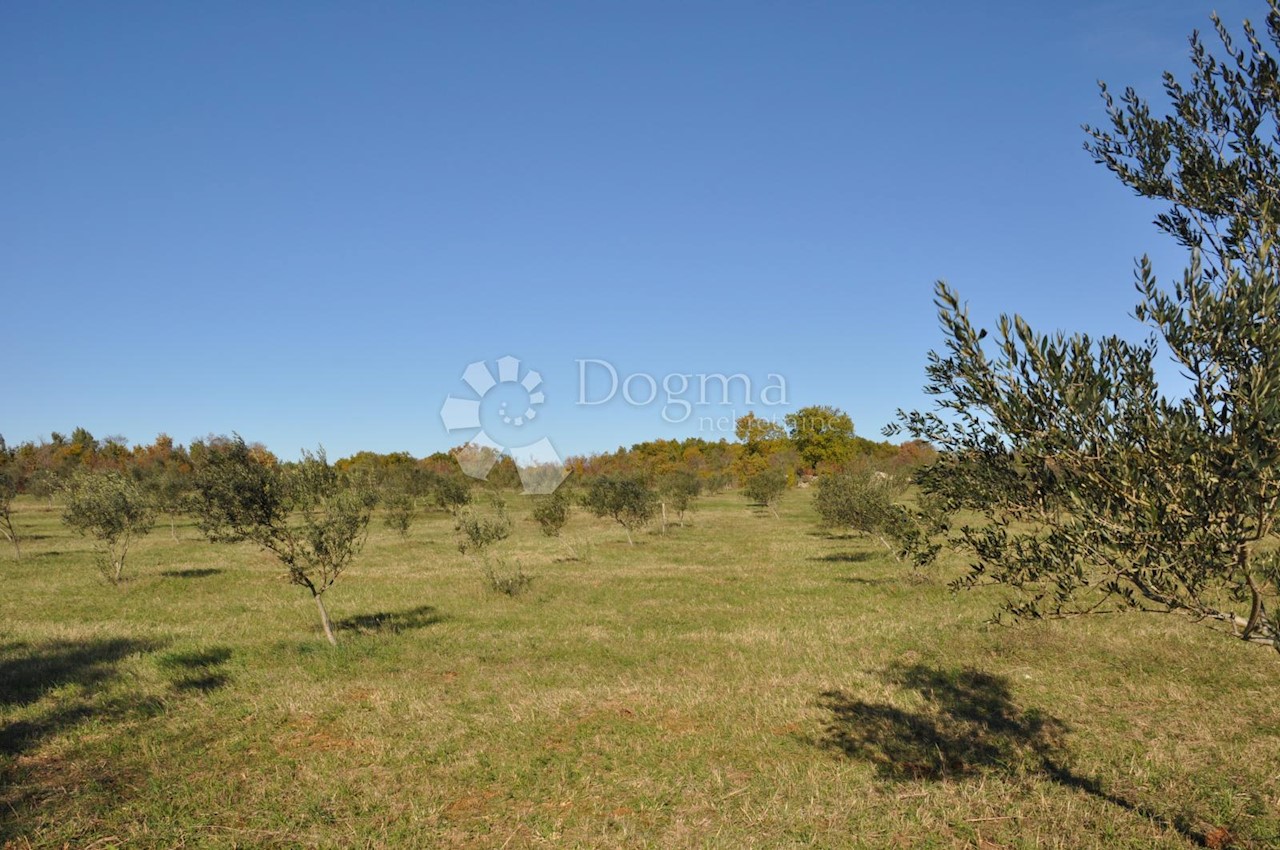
x: 399, y: 511
x: 678, y: 490
x: 477, y: 531
x: 450, y: 490
x: 766, y: 487
x: 304, y: 515
x: 627, y: 499
x: 9, y: 485
x: 866, y: 502
x: 169, y: 487
x: 113, y: 510
x: 551, y: 513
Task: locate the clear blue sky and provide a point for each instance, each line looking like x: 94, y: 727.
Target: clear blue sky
x: 301, y: 221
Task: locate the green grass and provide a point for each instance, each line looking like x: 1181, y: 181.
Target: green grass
x: 744, y: 681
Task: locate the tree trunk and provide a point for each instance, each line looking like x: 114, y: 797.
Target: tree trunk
x: 889, y: 546
x: 118, y: 558
x: 324, y: 621
x: 1255, y: 609
x: 7, y: 528
x: 664, y: 517
x: 628, y: 531
x: 173, y: 530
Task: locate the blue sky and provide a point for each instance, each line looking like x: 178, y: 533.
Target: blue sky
x: 302, y: 221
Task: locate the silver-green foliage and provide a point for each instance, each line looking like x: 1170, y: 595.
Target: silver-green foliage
x: 478, y: 530
x: 113, y: 510
x: 551, y: 512
x: 867, y: 502
x: 627, y: 499
x: 1099, y: 487
x: 305, y: 514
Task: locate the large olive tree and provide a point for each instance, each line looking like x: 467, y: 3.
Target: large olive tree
x: 1100, y: 487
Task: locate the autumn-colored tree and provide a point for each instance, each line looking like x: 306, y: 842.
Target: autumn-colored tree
x: 821, y: 434
x: 764, y: 447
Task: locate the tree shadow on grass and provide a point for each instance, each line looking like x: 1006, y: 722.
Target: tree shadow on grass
x: 30, y: 672
x: 196, y: 669
x: 46, y: 690
x: 845, y: 557
x: 198, y: 572
x: 391, y: 622
x: 968, y: 725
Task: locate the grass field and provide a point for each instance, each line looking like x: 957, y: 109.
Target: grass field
x: 744, y: 681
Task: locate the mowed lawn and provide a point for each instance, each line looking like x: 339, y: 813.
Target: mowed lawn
x: 744, y: 681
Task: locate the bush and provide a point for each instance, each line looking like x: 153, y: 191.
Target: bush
x: 504, y: 580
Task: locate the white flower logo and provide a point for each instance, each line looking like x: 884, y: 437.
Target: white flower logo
x: 540, y: 465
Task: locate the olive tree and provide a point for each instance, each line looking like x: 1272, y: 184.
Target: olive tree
x: 169, y: 485
x: 450, y: 491
x: 398, y: 511
x: 551, y: 513
x: 303, y: 514
x: 627, y: 499
x: 1101, y: 488
x: 867, y: 502
x: 9, y: 484
x: 113, y: 510
x: 678, y: 490
x: 766, y: 487
x: 477, y: 531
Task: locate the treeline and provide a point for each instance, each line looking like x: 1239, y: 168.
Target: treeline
x: 811, y: 441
